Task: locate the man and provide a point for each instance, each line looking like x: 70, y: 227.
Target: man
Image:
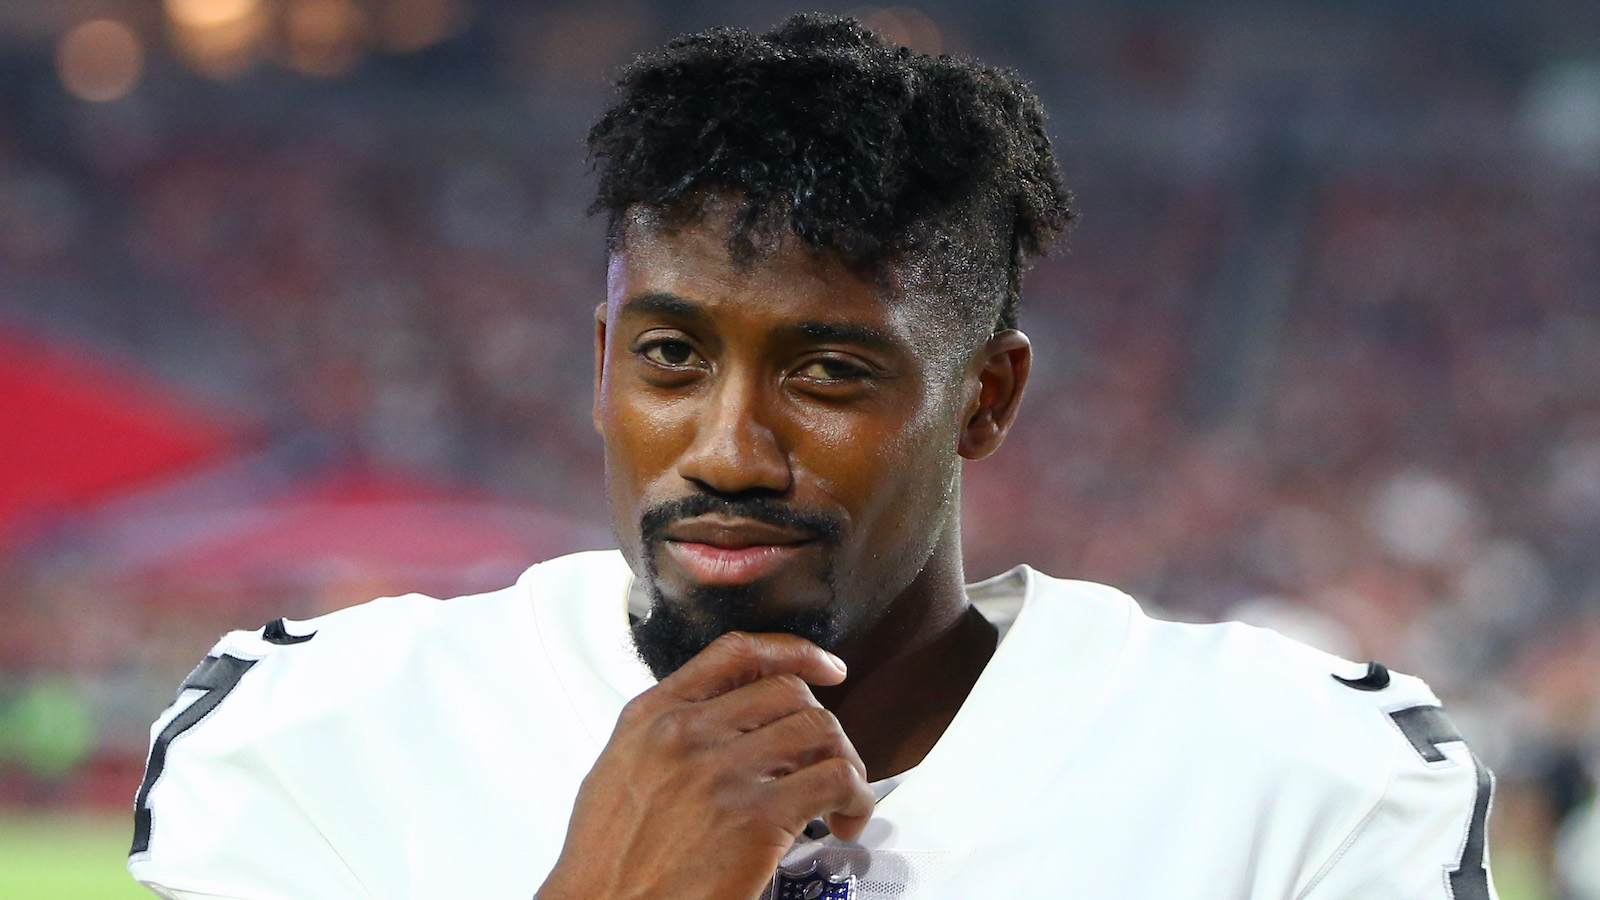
x: 780, y: 686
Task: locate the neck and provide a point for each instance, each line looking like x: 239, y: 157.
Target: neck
x: 910, y: 673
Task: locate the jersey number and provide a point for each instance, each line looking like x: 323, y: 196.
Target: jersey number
x: 1426, y: 727
x: 216, y: 675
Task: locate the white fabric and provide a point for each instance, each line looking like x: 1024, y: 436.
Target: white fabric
x: 424, y: 749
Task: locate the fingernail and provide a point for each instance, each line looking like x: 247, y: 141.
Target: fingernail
x: 838, y: 663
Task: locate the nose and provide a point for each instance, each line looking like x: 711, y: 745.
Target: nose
x: 734, y: 450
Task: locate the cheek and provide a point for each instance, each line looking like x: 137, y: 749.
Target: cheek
x: 641, y: 438
x: 641, y: 431
x: 893, y: 473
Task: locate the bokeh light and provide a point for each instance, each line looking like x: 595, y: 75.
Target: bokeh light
x: 209, y: 13
x: 100, y: 60
x: 220, y: 38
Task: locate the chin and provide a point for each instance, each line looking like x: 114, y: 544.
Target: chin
x: 676, y: 630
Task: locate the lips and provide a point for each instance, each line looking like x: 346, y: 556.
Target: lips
x: 716, y: 551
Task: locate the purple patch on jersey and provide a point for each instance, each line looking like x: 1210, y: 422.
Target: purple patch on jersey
x: 812, y: 885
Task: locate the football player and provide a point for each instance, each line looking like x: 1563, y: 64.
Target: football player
x: 780, y: 686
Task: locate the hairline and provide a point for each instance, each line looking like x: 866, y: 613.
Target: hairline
x: 703, y: 207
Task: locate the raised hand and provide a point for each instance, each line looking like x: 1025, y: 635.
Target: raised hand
x: 709, y: 777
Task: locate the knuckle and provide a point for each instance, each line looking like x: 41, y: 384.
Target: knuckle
x: 634, y: 713
x: 672, y: 728
x: 819, y: 725
x: 740, y: 651
x: 735, y: 644
x: 838, y: 776
x: 791, y: 689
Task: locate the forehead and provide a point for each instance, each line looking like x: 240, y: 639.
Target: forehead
x: 692, y: 263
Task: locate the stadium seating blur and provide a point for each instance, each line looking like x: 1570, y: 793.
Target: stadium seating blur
x: 1323, y: 353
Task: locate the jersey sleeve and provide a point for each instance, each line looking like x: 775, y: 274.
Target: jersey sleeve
x: 1426, y: 837
x: 215, y: 817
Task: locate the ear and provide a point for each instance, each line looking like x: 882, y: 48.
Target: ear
x: 599, y: 363
x: 1005, y: 361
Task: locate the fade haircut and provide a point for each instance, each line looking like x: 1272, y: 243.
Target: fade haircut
x: 866, y: 152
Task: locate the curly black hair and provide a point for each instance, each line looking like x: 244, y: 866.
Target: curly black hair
x: 869, y: 152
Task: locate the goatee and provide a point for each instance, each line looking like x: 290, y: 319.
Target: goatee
x: 667, y: 638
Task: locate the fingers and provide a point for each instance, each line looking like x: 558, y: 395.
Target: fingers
x: 797, y: 742
x: 760, y: 703
x: 803, y: 754
x: 737, y: 658
x: 748, y: 695
x: 833, y: 789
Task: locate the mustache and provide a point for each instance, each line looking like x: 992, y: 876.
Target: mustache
x: 816, y: 526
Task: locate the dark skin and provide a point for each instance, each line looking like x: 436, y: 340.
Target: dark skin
x: 798, y: 380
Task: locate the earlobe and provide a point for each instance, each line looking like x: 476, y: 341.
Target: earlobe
x: 1006, y: 359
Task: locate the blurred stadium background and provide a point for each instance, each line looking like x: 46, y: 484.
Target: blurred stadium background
x: 294, y: 311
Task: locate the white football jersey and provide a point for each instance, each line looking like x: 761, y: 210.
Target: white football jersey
x: 413, y: 748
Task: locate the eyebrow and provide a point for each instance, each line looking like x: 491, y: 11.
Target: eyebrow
x: 661, y: 303
x: 665, y: 303
x: 866, y: 336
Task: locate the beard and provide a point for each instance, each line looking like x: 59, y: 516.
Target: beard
x: 675, y: 632
x: 668, y: 638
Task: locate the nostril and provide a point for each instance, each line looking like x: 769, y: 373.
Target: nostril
x: 736, y: 497
x: 742, y: 455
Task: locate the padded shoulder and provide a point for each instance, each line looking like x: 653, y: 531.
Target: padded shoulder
x: 321, y: 742
x: 1246, y: 672
x: 305, y: 669
x: 1366, y: 750
x: 240, y: 759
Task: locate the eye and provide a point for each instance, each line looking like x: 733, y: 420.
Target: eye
x: 833, y: 369
x: 669, y: 353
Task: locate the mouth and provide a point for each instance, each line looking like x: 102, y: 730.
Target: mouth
x: 725, y: 552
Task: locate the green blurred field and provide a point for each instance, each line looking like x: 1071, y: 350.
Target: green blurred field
x: 66, y: 858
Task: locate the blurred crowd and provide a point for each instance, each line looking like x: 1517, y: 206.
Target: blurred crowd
x: 1323, y: 354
